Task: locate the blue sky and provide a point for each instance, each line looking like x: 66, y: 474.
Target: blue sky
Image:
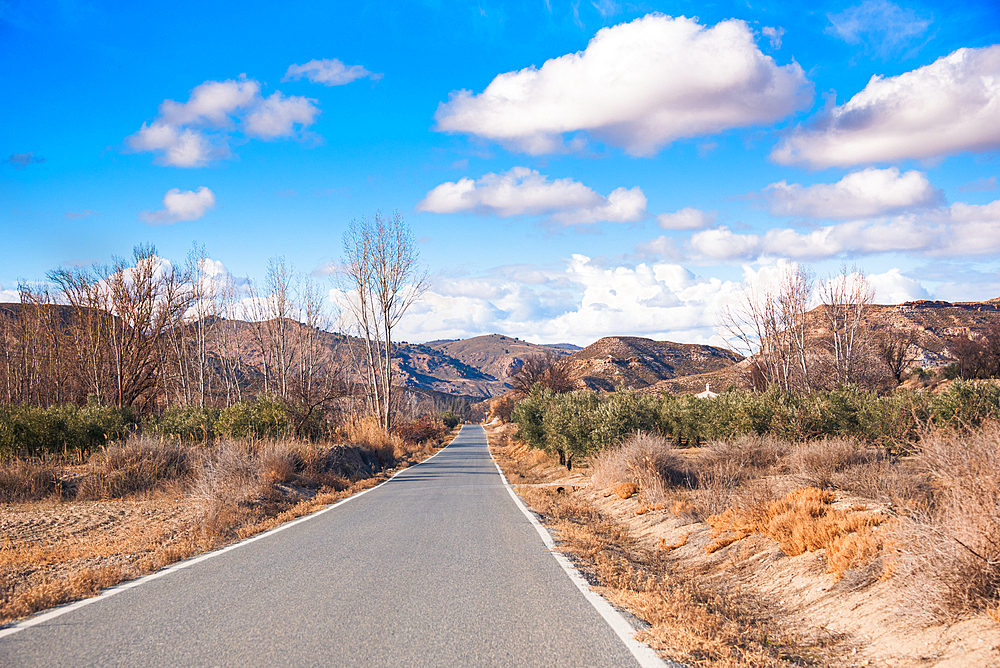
x: 571, y: 169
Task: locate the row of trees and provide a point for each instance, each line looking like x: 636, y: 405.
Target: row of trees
x: 794, y: 347
x: 145, y: 334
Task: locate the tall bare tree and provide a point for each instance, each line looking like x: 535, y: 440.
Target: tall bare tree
x: 845, y: 298
x: 767, y: 324
x: 381, y: 278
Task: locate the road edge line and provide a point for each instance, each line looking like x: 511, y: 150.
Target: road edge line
x: 643, y: 653
x: 61, y: 610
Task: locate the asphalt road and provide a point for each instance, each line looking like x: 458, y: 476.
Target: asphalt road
x: 437, y: 567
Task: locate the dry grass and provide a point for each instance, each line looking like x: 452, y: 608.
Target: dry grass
x: 804, y: 520
x: 947, y: 556
x: 648, y: 461
x: 233, y: 490
x: 22, y: 481
x: 690, y: 620
x: 140, y: 465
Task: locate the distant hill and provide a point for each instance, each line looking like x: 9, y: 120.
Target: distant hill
x: 496, y: 355
x: 935, y: 321
x: 634, y: 362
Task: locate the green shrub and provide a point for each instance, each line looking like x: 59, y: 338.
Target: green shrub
x: 265, y: 417
x: 186, y: 423
x: 450, y: 419
x: 59, y: 430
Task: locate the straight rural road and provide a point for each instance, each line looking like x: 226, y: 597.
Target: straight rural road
x: 437, y: 567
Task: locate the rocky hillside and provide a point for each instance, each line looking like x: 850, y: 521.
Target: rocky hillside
x: 633, y: 362
x: 496, y: 355
x: 934, y: 321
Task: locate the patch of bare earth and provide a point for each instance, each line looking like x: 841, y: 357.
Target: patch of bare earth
x: 741, y: 600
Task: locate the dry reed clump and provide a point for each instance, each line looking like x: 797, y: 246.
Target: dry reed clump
x: 649, y: 461
x: 230, y: 477
x: 947, y: 556
x: 753, y: 455
x: 142, y: 464
x: 804, y: 520
x: 22, y: 481
x: 367, y: 432
x: 822, y: 463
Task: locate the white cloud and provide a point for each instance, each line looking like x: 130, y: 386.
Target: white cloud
x: 277, y: 116
x: 580, y: 304
x: 947, y: 107
x: 880, y: 27
x: 181, y: 205
x: 638, y: 85
x: 8, y: 296
x: 522, y: 191
x: 86, y: 213
x: 774, y: 35
x: 329, y: 72
x: 892, y: 287
x: 686, y: 219
x: 958, y: 231
x: 871, y: 192
x: 193, y: 133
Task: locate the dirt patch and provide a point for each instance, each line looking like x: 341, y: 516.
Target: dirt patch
x: 747, y: 603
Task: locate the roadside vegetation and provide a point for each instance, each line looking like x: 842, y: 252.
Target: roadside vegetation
x: 151, y: 411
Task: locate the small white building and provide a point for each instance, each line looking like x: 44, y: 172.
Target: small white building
x: 707, y: 394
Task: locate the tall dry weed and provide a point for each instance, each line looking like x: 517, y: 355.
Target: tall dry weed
x: 947, y: 556
x: 142, y: 464
x: 366, y: 431
x: 22, y: 481
x: 647, y: 460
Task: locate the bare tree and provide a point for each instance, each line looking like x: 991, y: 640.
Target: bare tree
x: 768, y: 326
x: 896, y: 349
x: 543, y: 369
x: 845, y: 298
x: 381, y: 279
x: 120, y: 314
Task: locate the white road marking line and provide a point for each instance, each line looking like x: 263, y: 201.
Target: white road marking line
x: 131, y: 584
x: 643, y: 653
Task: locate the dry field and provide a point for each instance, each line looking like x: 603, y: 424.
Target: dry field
x: 149, y: 504
x: 761, y: 553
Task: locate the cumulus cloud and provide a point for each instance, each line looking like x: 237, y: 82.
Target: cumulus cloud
x: 181, y: 205
x: 892, y: 287
x: 580, y: 303
x: 329, y: 72
x: 947, y: 107
x: 881, y: 28
x: 639, y: 86
x: 8, y: 296
x: 957, y: 231
x: 868, y: 193
x: 686, y: 219
x: 525, y: 192
x: 22, y: 160
x: 193, y: 133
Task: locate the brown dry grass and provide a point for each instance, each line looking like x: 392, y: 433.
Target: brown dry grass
x: 947, y: 555
x: 236, y: 490
x: 649, y: 462
x: 804, y: 520
x: 690, y: 620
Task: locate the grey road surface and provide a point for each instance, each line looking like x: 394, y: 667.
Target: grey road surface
x: 437, y: 567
